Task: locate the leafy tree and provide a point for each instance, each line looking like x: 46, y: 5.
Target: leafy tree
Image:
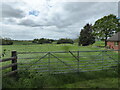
x: 65, y: 40
x: 106, y: 27
x: 86, y: 36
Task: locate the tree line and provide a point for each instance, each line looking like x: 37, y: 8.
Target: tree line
x: 50, y: 41
x: 8, y: 41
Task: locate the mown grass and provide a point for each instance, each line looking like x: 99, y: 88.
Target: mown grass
x: 99, y: 79
x: 46, y: 48
x: 99, y: 43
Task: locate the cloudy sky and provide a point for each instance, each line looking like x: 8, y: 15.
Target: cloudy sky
x: 29, y: 19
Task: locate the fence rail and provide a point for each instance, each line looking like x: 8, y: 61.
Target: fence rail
x: 7, y: 59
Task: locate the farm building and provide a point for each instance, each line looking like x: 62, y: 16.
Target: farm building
x: 114, y: 42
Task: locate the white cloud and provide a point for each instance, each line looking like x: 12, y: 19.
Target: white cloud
x: 10, y: 11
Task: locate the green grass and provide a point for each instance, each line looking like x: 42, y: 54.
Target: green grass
x: 99, y: 79
x: 100, y: 83
x: 46, y: 48
x: 23, y: 43
x: 99, y: 43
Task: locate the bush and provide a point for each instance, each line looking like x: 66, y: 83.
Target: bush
x: 6, y: 41
x: 63, y: 41
x: 42, y: 41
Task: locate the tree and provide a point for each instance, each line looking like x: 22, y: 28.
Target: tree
x: 106, y: 27
x: 35, y: 41
x: 86, y: 36
x: 65, y: 40
x: 42, y: 41
x: 6, y: 41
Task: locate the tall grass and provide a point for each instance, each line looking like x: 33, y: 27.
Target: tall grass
x: 83, y: 79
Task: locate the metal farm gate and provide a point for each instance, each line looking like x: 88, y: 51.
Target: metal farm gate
x: 67, y: 62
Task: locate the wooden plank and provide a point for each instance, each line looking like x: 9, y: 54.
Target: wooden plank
x: 4, y: 67
x: 7, y: 59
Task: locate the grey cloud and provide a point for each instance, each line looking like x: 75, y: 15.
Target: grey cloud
x: 10, y: 21
x: 27, y: 22
x: 9, y: 11
x: 31, y: 23
x: 81, y: 11
x: 78, y: 6
x: 60, y: 21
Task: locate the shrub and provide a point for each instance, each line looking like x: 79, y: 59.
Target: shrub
x: 42, y: 41
x: 6, y: 41
x: 63, y: 41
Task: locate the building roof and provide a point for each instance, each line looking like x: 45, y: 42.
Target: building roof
x: 116, y: 37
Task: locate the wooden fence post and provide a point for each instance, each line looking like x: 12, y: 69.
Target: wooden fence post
x: 14, y: 68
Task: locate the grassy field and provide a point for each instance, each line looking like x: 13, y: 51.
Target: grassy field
x: 99, y: 79
x: 30, y: 47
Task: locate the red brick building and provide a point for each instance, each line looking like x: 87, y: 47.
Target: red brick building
x: 114, y: 42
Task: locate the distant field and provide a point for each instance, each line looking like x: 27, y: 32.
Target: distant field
x: 27, y: 46
x: 23, y: 43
